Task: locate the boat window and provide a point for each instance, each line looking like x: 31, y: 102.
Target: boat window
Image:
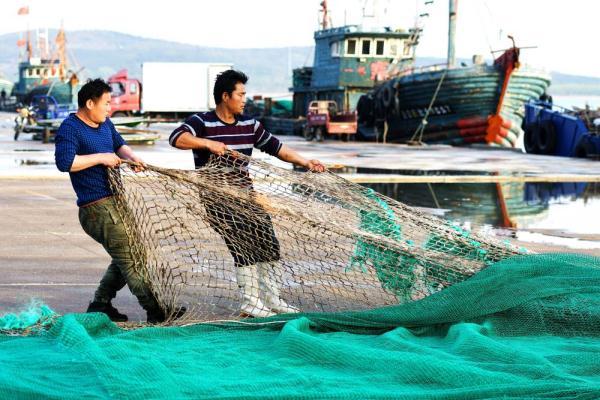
x: 133, y: 88
x: 351, y: 47
x: 394, y: 48
x: 366, y: 47
x: 335, y: 49
x: 379, y: 48
x: 37, y: 72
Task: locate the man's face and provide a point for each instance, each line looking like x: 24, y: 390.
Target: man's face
x: 99, y: 109
x: 237, y: 101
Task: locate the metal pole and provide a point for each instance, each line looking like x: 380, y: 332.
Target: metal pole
x: 452, y: 32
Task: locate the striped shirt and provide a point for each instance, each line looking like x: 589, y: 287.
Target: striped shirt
x: 242, y: 135
x: 73, y: 138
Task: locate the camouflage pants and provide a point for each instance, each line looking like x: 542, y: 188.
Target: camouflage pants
x: 102, y: 222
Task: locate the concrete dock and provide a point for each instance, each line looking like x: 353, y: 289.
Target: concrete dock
x: 44, y: 253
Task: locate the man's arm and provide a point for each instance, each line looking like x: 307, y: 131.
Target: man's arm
x: 291, y: 156
x: 67, y: 159
x: 109, y: 160
x: 80, y: 163
x: 126, y: 153
x: 187, y: 141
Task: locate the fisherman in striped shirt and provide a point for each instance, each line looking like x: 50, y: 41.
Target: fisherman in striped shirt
x: 247, y: 238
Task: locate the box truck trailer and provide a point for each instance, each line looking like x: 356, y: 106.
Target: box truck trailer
x: 167, y: 89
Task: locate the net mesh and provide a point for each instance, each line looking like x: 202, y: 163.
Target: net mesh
x: 315, y: 241
x: 525, y: 327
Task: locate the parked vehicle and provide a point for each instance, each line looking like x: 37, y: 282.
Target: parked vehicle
x: 43, y: 112
x: 554, y: 130
x: 47, y: 107
x: 24, y: 120
x: 323, y: 118
x: 167, y: 89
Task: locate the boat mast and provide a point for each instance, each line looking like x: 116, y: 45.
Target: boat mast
x: 324, y: 21
x: 62, y: 53
x: 452, y: 8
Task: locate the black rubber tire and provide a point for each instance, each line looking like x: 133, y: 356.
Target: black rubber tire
x: 319, y: 134
x: 584, y: 149
x: 387, y: 96
x: 365, y: 109
x: 546, y: 137
x: 308, y: 133
x: 530, y: 138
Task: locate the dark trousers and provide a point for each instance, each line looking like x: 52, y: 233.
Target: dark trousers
x: 102, y: 222
x: 248, y: 231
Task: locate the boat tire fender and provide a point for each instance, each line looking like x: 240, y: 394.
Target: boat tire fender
x: 530, y: 138
x: 584, y: 148
x: 387, y: 96
x: 546, y: 138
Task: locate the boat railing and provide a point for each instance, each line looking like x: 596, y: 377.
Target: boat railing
x: 421, y: 69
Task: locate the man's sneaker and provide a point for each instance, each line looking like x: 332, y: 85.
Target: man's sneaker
x: 159, y: 316
x: 108, y: 309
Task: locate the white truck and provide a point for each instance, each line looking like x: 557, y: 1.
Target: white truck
x: 166, y: 89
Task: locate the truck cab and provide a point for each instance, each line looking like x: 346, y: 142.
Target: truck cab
x: 324, y: 118
x: 125, y: 96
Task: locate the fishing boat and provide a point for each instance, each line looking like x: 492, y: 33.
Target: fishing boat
x: 454, y: 104
x: 44, y: 71
x: 349, y: 62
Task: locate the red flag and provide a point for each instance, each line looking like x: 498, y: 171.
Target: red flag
x: 23, y: 10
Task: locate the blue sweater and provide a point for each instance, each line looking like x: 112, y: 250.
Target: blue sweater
x: 73, y: 138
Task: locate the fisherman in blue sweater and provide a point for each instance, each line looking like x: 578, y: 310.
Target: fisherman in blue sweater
x: 87, y: 143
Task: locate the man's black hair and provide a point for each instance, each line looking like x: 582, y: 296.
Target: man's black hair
x: 226, y: 82
x: 92, y: 90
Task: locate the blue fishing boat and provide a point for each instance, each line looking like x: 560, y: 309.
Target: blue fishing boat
x: 349, y: 62
x: 457, y: 105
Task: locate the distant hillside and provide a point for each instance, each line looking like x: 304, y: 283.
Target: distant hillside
x: 563, y: 84
x: 102, y: 53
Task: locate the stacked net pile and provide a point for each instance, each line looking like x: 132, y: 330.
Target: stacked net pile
x: 331, y: 245
x: 525, y: 327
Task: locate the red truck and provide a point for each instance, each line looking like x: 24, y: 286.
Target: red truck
x: 125, y: 100
x: 323, y: 118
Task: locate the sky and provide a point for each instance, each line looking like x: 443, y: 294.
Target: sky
x: 561, y: 32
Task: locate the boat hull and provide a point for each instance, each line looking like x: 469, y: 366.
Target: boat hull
x: 463, y: 107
